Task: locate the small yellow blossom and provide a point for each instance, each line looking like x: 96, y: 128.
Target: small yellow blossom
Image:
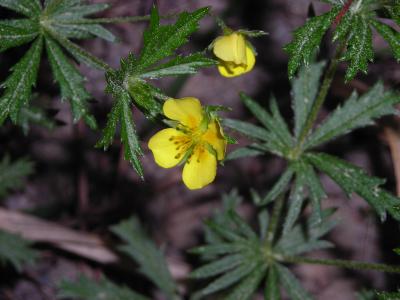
x: 236, y: 56
x: 197, y: 140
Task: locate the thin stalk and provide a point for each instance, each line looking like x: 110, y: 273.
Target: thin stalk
x: 343, y: 263
x: 321, y: 97
x: 273, y: 224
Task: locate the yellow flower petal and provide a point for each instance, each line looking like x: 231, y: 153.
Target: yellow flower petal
x: 228, y: 69
x: 187, y: 111
x: 200, y: 170
x: 169, y: 146
x: 231, y: 48
x: 214, y: 136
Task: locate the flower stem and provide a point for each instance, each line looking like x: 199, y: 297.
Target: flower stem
x: 349, y: 264
x: 323, y: 92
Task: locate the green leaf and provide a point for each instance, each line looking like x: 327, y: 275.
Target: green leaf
x: 291, y: 285
x: 391, y: 36
x: 308, y: 38
x: 247, y: 129
x: 150, y: 259
x: 142, y: 95
x: 16, y: 33
x: 305, y: 237
x: 248, y: 286
x: 278, y: 131
x: 79, y: 11
x: 132, y: 149
x: 343, y: 28
x: 316, y: 190
x: 356, y: 112
x: 359, y: 51
x: 15, y: 250
x: 180, y: 65
x: 89, y: 289
x: 279, y: 187
x: 161, y: 41
x: 272, y: 291
x: 354, y: 179
x: 304, y: 90
x: 13, y: 174
x: 78, y: 52
x: 248, y: 151
x: 296, y: 199
x: 18, y: 86
x: 111, y: 126
x: 228, y: 279
x: 217, y: 267
x: 71, y: 83
x: 218, y: 249
x: 29, y: 8
x: 34, y: 115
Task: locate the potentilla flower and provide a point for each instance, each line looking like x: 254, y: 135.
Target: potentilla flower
x: 197, y: 141
x: 235, y: 54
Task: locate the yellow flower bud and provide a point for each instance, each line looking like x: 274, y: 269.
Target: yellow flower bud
x: 236, y: 56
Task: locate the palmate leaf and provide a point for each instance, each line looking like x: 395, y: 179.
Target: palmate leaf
x: 29, y: 8
x: 88, y: 289
x: 304, y: 91
x: 306, y: 237
x: 18, y: 86
x: 236, y: 259
x: 121, y: 113
x: 156, y: 59
x: 354, y: 21
x: 354, y: 179
x: 150, y: 259
x: 291, y: 285
x: 17, y: 32
x: 359, y: 51
x: 51, y: 25
x: 275, y: 136
x: 12, y: 174
x: 356, y: 112
x: 15, y: 250
x: 308, y: 38
x: 71, y: 83
x: 162, y: 41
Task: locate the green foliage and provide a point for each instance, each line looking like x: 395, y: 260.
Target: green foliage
x: 150, y: 259
x: 89, y: 289
x: 15, y: 250
x: 157, y: 59
x: 275, y: 138
x: 353, y: 29
x: 52, y: 25
x: 355, y: 113
x: 237, y: 259
x: 354, y: 179
x: 388, y: 295
x: 305, y: 236
x: 306, y: 39
x: 12, y: 174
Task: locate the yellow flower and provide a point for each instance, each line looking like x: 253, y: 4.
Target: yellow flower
x: 236, y: 56
x: 197, y: 140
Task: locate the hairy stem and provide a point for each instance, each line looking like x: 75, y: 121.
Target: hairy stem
x: 343, y: 263
x: 321, y: 96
